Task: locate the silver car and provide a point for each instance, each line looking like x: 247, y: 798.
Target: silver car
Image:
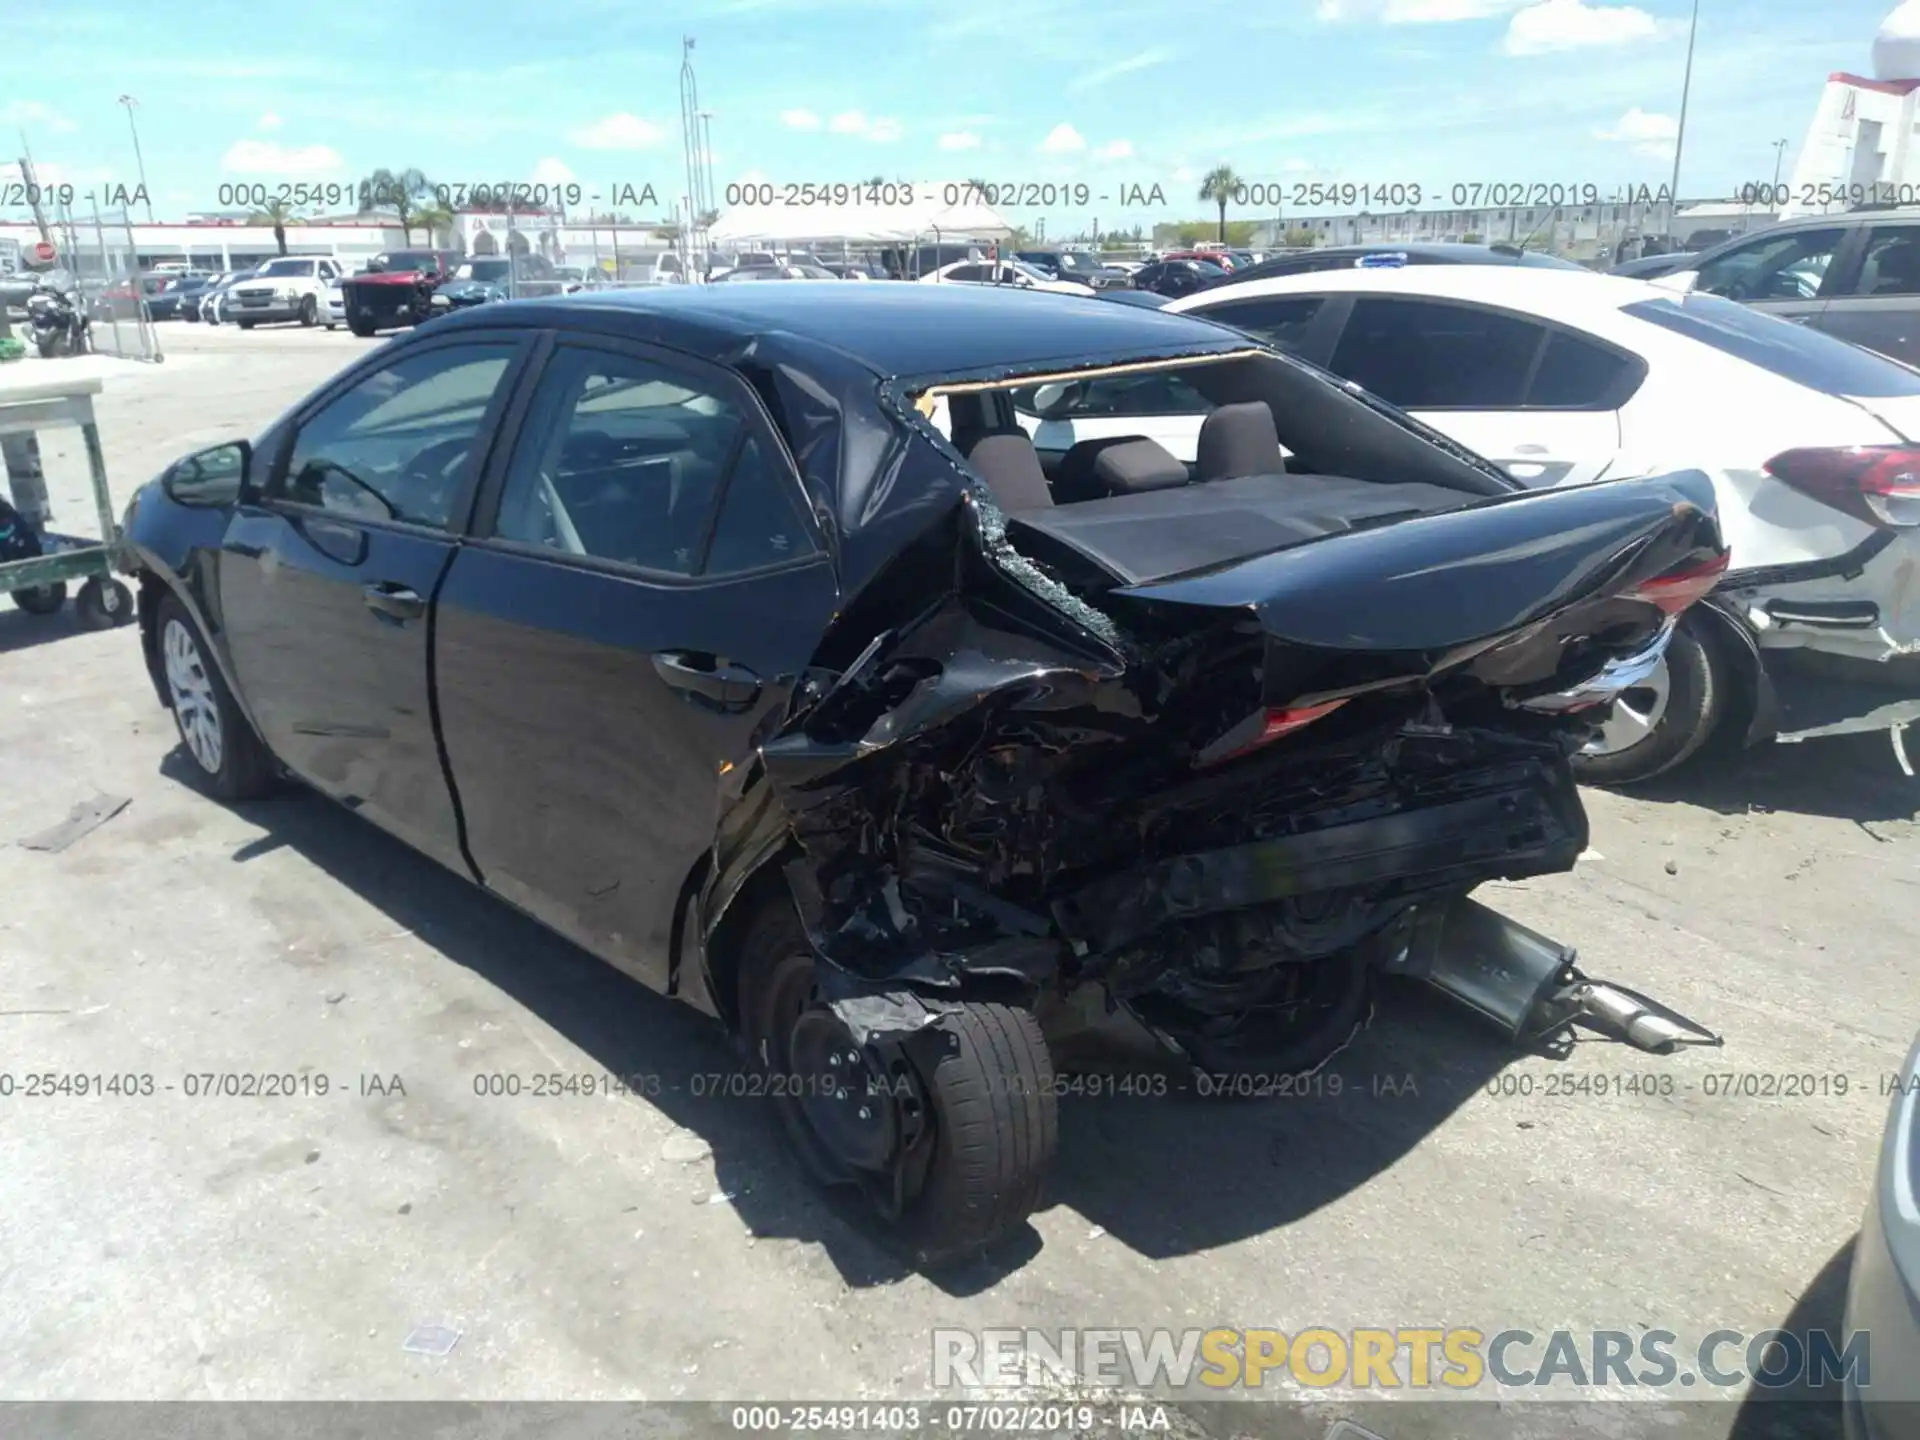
x: 1883, y: 1290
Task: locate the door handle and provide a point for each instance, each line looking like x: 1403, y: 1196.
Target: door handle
x: 708, y: 681
x: 395, y: 602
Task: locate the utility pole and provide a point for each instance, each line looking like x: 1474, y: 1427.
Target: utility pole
x: 1680, y: 131
x: 33, y: 190
x: 139, y: 163
x: 690, y: 142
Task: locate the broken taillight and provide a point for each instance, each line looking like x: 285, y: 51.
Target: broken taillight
x: 1879, y: 484
x: 1263, y: 727
x: 1677, y: 589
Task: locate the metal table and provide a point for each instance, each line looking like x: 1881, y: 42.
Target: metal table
x: 38, y: 583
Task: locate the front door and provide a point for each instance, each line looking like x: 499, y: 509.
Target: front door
x: 326, y: 585
x: 1785, y: 274
x: 1876, y: 304
x: 615, y: 642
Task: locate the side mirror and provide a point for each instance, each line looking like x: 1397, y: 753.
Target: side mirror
x: 210, y: 479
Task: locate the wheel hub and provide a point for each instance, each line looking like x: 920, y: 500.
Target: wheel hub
x: 1634, y: 714
x: 845, y: 1102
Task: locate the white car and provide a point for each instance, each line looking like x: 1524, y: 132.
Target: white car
x: 333, y: 304
x: 1566, y: 378
x: 292, y: 287
x: 1004, y: 272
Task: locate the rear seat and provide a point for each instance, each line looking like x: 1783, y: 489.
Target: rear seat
x: 1007, y: 461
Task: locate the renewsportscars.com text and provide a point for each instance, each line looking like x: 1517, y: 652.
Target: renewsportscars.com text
x: 1513, y: 1362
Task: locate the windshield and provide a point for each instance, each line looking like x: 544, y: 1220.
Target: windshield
x: 1021, y: 267
x: 287, y: 267
x: 400, y: 261
x: 483, y: 270
x: 1790, y: 351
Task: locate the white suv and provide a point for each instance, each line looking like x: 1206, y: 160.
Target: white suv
x: 293, y: 287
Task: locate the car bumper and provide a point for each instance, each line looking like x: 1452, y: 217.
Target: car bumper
x: 272, y: 311
x: 1884, y: 1404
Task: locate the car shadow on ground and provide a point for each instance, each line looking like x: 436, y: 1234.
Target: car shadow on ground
x: 21, y: 631
x: 1131, y: 1163
x: 1845, y: 777
x: 1800, y: 1412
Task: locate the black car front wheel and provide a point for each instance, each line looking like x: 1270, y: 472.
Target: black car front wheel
x: 232, y: 762
x: 949, y: 1138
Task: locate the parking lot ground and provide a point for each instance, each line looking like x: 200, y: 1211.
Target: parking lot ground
x: 658, y: 1245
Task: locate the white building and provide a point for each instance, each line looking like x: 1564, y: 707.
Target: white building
x: 1861, y: 144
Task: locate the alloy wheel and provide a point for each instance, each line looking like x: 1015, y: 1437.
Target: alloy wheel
x: 195, y: 705
x: 1634, y: 715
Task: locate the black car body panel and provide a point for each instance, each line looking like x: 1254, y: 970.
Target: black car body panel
x: 976, y: 748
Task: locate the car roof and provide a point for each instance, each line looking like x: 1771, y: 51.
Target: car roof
x: 1547, y: 292
x: 891, y: 330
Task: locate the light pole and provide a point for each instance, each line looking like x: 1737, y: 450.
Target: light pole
x: 139, y: 163
x: 1680, y: 131
x: 1779, y: 154
x: 710, y: 200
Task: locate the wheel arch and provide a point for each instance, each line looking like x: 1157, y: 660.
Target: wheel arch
x: 1749, y: 713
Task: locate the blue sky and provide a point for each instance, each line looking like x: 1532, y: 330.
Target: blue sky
x: 1113, y: 93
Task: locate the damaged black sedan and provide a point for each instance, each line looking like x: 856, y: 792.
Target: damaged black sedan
x: 742, y: 636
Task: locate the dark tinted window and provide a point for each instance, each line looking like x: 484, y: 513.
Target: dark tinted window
x: 623, y: 459
x: 758, y: 523
x: 395, y: 446
x: 1577, y: 373
x: 1892, y: 263
x: 1421, y: 355
x: 967, y: 272
x: 1279, y: 320
x: 1790, y: 351
x: 1778, y: 267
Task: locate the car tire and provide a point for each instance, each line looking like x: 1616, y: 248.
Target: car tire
x: 361, y: 328
x: 1656, y: 728
x: 42, y: 599
x: 245, y: 324
x: 309, y: 312
x: 228, y: 757
x: 986, y: 1105
x: 103, y: 604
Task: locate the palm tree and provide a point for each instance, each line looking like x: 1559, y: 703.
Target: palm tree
x: 403, y: 192
x: 1219, y: 187
x: 276, y: 213
x: 432, y: 219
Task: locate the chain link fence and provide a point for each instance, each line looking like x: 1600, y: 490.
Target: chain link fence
x: 100, y: 253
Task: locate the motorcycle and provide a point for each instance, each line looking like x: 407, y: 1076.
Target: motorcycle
x: 60, y: 327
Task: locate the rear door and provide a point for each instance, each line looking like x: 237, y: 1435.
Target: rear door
x: 1875, y: 297
x: 325, y: 586
x: 643, y: 587
x: 1539, y: 400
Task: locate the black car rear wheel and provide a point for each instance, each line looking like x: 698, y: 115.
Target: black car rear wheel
x: 951, y: 1149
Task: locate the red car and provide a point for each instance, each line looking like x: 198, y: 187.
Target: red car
x: 396, y: 289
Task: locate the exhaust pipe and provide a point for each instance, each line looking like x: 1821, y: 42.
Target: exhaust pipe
x: 1528, y: 985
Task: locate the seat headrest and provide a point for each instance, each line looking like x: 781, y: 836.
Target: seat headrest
x: 1007, y: 461
x: 1134, y: 467
x: 1237, y: 441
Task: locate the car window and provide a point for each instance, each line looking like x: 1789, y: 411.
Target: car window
x: 967, y: 272
x: 395, y: 446
x: 624, y: 459
x: 1576, y: 373
x: 1793, y: 352
x: 1277, y: 320
x: 1892, y: 263
x: 1421, y: 355
x: 1154, y: 393
x: 1781, y: 267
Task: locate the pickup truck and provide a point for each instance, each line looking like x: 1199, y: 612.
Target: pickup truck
x: 293, y: 287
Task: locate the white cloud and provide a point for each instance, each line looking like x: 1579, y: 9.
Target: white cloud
x: 1063, y: 140
x: 21, y: 113
x: 800, y: 119
x: 552, y: 172
x: 960, y: 140
x: 750, y: 177
x: 1144, y: 60
x: 47, y: 172
x: 263, y: 157
x: 1114, y: 150
x: 1185, y: 174
x: 884, y: 130
x: 619, y: 132
x: 268, y: 121
x: 1573, y: 25
x: 1298, y: 166
x: 1649, y: 134
x: 848, y: 122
